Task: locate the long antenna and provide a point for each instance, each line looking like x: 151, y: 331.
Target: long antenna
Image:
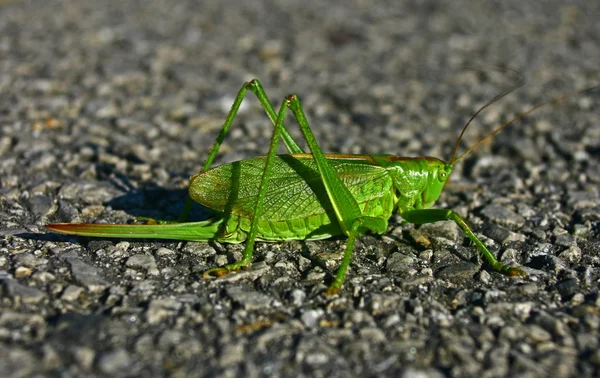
x: 516, y: 118
x: 519, y: 84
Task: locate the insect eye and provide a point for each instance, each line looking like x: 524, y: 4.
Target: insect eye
x: 442, y: 175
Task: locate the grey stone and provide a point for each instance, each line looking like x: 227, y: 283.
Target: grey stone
x: 496, y: 232
x: 145, y: 262
x: 87, y: 275
x: 571, y: 254
x: 164, y: 252
x: 199, y: 249
x: 565, y: 240
x: 23, y: 327
x: 40, y: 205
x: 84, y: 357
x: 144, y: 344
x: 170, y: 338
x: 457, y: 271
x: 144, y: 289
x: 5, y: 144
x: 114, y: 362
x: 400, y: 263
x: 25, y: 294
x: 250, y: 299
x: 501, y: 234
x: 41, y: 162
x: 587, y: 214
x: 88, y: 192
x: 22, y: 271
x: 161, y: 309
x: 444, y: 229
x: 71, y: 293
x: 538, y: 334
x: 29, y: 260
x: 373, y: 334
x: 298, y: 297
x: 530, y: 288
x: 311, y: 318
x: 422, y: 373
x: 17, y: 362
x: 503, y: 216
x: 484, y: 277
x: 583, y: 199
x: 542, y: 249
x: 231, y: 354
x: 51, y: 357
x: 548, y: 263
x: 567, y: 287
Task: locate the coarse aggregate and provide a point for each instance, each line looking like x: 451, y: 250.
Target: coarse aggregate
x: 108, y: 107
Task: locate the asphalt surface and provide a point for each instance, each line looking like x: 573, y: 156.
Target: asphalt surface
x: 107, y: 108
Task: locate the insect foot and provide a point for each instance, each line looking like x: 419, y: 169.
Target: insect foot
x: 514, y: 272
x: 224, y: 270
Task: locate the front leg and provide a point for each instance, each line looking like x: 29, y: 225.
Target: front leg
x: 436, y: 215
x: 347, y: 211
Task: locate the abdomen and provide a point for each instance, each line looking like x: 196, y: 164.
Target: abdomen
x: 313, y: 227
x: 296, y: 205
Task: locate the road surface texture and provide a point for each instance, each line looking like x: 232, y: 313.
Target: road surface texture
x: 107, y: 108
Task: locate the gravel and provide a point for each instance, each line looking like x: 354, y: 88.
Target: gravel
x: 107, y: 108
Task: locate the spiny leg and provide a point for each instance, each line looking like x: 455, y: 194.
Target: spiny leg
x: 344, y: 204
x: 378, y: 225
x: 249, y: 248
x: 346, y: 208
x: 191, y: 231
x: 256, y: 87
x: 436, y: 215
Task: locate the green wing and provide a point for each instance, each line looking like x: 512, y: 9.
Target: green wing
x: 295, y: 188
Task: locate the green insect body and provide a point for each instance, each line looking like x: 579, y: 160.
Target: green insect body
x: 296, y: 203
x: 305, y: 196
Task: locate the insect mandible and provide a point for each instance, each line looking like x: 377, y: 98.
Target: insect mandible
x: 307, y: 196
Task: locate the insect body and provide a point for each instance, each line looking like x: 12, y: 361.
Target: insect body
x: 296, y: 205
x: 305, y: 196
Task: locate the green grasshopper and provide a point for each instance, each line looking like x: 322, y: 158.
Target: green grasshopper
x: 306, y: 196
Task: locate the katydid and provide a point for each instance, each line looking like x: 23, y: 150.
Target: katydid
x: 307, y: 196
